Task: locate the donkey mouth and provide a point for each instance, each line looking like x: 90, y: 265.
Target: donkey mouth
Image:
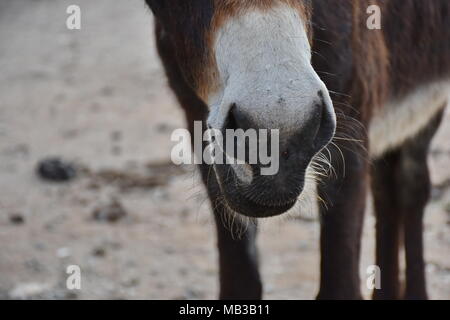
x: 264, y: 197
x: 252, y: 209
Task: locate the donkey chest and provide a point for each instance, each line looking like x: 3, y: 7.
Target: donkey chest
x: 401, y: 119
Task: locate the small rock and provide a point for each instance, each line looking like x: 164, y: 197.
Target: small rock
x: 112, y: 212
x: 56, y: 170
x: 17, y: 218
x: 99, y: 252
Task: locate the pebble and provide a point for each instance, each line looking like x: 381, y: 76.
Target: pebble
x: 17, y: 219
x: 99, y: 252
x: 56, y: 170
x: 112, y: 212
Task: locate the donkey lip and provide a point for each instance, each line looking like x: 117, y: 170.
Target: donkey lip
x: 263, y: 198
x: 247, y: 207
x: 274, y: 204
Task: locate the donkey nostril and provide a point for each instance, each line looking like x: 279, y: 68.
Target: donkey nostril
x: 237, y: 119
x: 286, y: 154
x: 230, y: 122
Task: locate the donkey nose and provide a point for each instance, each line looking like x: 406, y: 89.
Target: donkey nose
x: 312, y: 135
x: 309, y: 137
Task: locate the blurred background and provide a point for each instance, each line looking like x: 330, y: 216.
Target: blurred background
x: 91, y: 109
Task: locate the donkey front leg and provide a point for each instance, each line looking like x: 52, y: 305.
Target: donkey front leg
x: 341, y: 228
x: 238, y: 262
x: 238, y: 256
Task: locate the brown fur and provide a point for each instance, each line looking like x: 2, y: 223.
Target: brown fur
x: 370, y: 61
x: 230, y: 8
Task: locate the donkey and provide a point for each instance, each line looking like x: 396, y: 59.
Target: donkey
x: 365, y: 102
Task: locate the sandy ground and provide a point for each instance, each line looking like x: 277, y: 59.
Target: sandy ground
x: 98, y: 97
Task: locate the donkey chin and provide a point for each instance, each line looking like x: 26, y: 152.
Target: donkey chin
x: 268, y: 82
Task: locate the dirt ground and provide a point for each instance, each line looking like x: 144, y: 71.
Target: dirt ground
x: 98, y: 97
